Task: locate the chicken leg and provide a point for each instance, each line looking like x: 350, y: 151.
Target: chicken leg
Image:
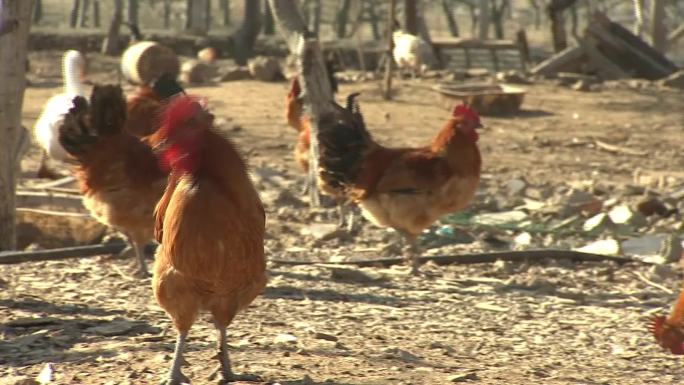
x: 44, y: 171
x: 224, y: 369
x: 346, y: 220
x: 176, y: 376
x: 412, y: 252
x: 137, y: 245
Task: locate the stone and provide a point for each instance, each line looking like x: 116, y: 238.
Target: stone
x: 654, y: 248
x: 624, y: 215
x: 236, y: 73
x: 598, y: 224
x: 601, y: 247
x: 516, y: 187
x: 265, y: 68
x: 197, y: 72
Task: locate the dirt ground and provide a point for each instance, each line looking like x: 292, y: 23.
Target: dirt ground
x: 543, y: 322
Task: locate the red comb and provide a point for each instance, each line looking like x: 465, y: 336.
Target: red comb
x: 466, y: 112
x: 178, y: 110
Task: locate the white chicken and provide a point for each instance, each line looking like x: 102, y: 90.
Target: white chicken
x: 47, y: 126
x: 411, y: 52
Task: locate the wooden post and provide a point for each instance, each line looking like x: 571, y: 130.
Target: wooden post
x: 411, y: 17
x: 132, y: 12
x: 15, y: 22
x: 38, y: 11
x: 387, y: 89
x: 318, y: 8
x: 342, y: 18
x: 658, y: 29
x: 245, y: 37
x: 83, y: 13
x: 312, y: 76
x: 111, y: 43
x: 167, y: 13
x: 96, y: 14
x: 269, y: 27
x: 225, y: 11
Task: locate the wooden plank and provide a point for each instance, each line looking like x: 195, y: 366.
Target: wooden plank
x: 455, y: 42
x: 38, y: 198
x: 564, y: 61
x: 675, y: 35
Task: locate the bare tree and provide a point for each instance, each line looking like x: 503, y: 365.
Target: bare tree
x: 132, y: 11
x: 245, y: 37
x: 411, y: 17
x: 15, y: 22
x: 312, y: 76
x: 555, y: 10
x: 73, y: 16
x: 225, y: 10
x: 96, y: 14
x: 387, y: 81
x: 498, y: 10
x: 83, y: 13
x: 269, y: 26
x: 342, y: 18
x: 38, y: 11
x: 483, y: 19
x: 111, y: 42
x: 167, y: 13
x: 198, y: 16
x: 658, y: 28
x: 451, y: 20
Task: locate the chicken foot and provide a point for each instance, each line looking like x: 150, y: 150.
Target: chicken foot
x: 176, y: 377
x: 346, y: 218
x: 224, y: 368
x: 44, y: 171
x: 140, y: 256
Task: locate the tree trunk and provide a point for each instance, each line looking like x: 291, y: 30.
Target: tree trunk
x: 96, y: 14
x: 387, y: 81
x: 225, y: 10
x: 374, y: 20
x: 198, y: 16
x: 483, y: 19
x: 167, y: 14
x: 73, y: 16
x: 451, y: 20
x: 111, y: 43
x: 555, y: 10
x: 269, y: 27
x: 83, y: 14
x: 498, y: 11
x: 312, y: 76
x: 317, y: 17
x: 658, y: 29
x: 38, y: 11
x: 132, y: 11
x: 342, y: 18
x: 245, y: 38
x: 15, y: 21
x: 537, y: 13
x: 411, y: 17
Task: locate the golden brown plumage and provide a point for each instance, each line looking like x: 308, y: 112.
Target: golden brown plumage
x: 210, y: 223
x: 118, y: 174
x: 669, y: 332
x: 406, y: 189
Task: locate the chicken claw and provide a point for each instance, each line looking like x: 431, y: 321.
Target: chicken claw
x: 175, y: 376
x: 224, y: 369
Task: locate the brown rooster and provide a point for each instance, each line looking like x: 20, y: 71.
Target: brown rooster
x: 669, y: 331
x: 406, y: 189
x: 210, y: 223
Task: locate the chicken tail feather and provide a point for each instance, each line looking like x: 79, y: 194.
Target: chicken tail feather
x: 344, y: 141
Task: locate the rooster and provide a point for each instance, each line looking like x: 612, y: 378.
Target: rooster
x: 402, y: 188
x: 669, y: 331
x: 118, y: 174
x: 210, y: 224
x: 47, y: 126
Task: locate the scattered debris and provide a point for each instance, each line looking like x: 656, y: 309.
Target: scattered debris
x: 265, y: 68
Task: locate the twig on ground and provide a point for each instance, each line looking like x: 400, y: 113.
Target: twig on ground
x: 647, y: 281
x: 619, y: 150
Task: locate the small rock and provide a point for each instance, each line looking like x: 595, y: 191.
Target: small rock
x: 654, y: 248
x: 236, y: 73
x: 322, y: 231
x: 496, y: 219
x: 598, y: 224
x: 207, y: 55
x: 523, y: 239
x: 197, y: 72
x: 578, y: 201
x: 284, y: 338
x: 516, y: 187
x: 45, y: 376
x: 624, y: 215
x: 324, y: 336
x: 602, y: 247
x: 472, y: 376
x: 265, y: 68
x: 653, y: 206
x: 581, y: 85
x: 122, y: 327
x: 351, y: 275
x: 513, y: 76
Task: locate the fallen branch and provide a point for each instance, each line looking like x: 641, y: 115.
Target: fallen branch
x: 619, y: 150
x: 13, y: 257
x: 651, y: 283
x: 39, y: 198
x: 515, y: 256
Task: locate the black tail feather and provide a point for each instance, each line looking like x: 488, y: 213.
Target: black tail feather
x: 86, y: 122
x: 165, y: 86
x: 343, y: 141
